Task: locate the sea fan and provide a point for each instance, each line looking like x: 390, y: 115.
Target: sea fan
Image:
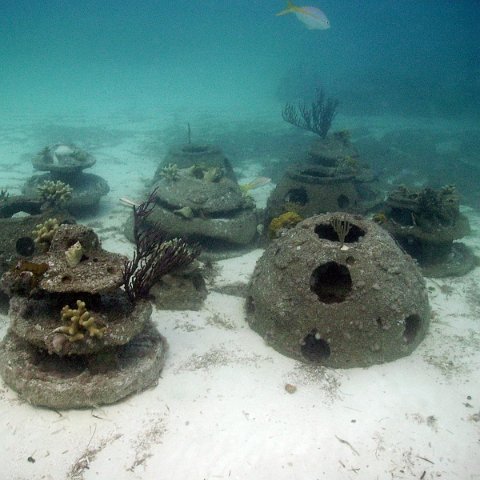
x: 154, y: 255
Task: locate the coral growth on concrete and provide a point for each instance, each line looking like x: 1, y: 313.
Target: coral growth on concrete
x: 44, y: 232
x: 55, y: 193
x: 154, y: 256
x: 284, y: 221
x: 81, y: 323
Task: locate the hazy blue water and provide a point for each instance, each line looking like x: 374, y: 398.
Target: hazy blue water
x: 407, y: 56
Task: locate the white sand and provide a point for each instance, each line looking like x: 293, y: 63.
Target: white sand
x: 221, y: 411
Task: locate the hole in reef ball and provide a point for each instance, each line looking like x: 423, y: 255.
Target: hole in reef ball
x: 412, y: 325
x: 314, y: 348
x: 325, y: 231
x: 331, y: 282
x: 250, y: 305
x: 297, y: 195
x: 25, y: 246
x: 195, y: 148
x: 343, y: 201
x: 66, y: 279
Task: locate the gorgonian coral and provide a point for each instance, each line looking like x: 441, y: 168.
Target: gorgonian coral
x: 154, y: 256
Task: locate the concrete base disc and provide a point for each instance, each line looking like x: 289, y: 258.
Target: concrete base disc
x: 82, y: 381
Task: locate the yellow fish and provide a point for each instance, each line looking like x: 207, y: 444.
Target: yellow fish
x: 312, y: 17
x: 256, y: 183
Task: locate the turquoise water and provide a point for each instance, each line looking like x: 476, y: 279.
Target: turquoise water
x: 125, y: 81
x: 407, y: 57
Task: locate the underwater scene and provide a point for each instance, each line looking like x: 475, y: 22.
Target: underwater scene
x: 240, y: 240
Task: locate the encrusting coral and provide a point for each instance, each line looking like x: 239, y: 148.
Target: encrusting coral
x: 55, y: 193
x: 285, y: 220
x: 170, y: 172
x: 44, y: 232
x: 81, y: 323
x: 206, y: 172
x: 74, y: 254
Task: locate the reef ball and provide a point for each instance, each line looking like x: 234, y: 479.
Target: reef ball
x: 350, y: 303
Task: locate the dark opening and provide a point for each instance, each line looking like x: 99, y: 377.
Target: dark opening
x: 195, y: 148
x: 198, y: 173
x: 315, y: 173
x: 250, y: 305
x: 4, y: 303
x: 350, y: 260
x: 199, y: 282
x: 326, y: 231
x: 71, y: 242
x: 297, y: 195
x: 343, y: 201
x: 315, y: 348
x: 412, y: 326
x: 331, y: 282
x: 25, y: 246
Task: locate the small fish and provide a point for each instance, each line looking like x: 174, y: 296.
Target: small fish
x: 256, y: 183
x: 312, y: 17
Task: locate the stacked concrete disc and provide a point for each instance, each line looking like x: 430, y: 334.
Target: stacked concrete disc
x: 49, y: 368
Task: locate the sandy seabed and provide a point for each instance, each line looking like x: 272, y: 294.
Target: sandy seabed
x: 221, y: 409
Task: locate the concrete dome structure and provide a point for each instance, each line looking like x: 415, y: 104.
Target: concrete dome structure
x: 337, y: 290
